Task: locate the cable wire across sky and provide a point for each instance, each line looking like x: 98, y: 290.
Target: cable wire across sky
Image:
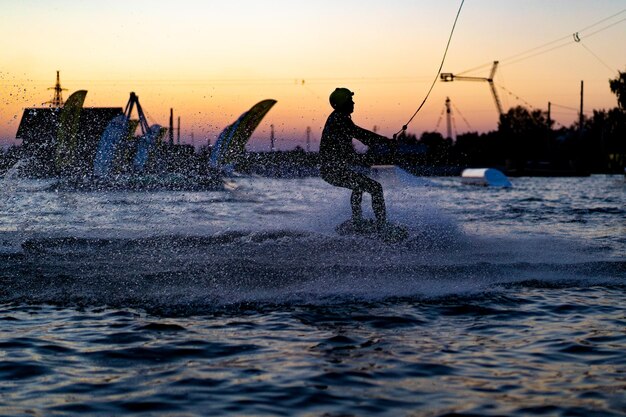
x: 562, y: 42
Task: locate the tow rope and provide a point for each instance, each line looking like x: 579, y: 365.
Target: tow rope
x: 406, y: 125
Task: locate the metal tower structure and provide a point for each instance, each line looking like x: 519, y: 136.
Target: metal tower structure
x: 57, y: 100
x: 448, y: 118
x: 448, y: 77
x: 133, y: 101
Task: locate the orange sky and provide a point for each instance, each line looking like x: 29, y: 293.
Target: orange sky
x: 212, y: 60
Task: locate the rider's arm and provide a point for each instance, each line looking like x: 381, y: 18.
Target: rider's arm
x: 369, y: 138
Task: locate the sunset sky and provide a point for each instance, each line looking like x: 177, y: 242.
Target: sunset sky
x: 212, y: 60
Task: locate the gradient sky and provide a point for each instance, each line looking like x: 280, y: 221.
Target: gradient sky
x: 212, y: 60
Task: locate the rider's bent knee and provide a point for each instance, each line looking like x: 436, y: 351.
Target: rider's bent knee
x: 376, y: 188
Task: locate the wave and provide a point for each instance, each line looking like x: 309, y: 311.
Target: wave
x: 192, y: 274
x: 598, y: 210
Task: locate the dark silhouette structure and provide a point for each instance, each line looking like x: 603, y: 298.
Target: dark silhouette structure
x: 38, y: 131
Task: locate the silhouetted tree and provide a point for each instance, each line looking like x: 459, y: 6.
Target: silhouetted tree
x: 618, y: 87
x: 604, y: 141
x: 471, y: 149
x: 407, y: 138
x: 438, y: 148
x: 526, y: 134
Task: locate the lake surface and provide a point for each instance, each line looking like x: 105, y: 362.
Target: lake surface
x: 246, y: 302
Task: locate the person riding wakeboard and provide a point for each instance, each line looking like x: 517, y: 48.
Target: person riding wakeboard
x: 337, y: 156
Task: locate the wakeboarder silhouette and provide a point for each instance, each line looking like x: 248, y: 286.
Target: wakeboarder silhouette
x: 338, y: 157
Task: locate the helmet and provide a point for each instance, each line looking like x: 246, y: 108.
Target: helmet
x: 339, y: 97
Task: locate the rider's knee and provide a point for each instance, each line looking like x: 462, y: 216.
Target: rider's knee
x: 377, y: 189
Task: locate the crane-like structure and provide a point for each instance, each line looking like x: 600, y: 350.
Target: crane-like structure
x: 448, y: 77
x: 132, y: 102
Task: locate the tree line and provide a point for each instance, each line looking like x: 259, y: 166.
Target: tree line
x: 525, y: 143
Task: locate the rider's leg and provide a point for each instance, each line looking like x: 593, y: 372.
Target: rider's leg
x: 378, y: 204
x: 368, y: 185
x: 359, y: 183
x: 355, y: 201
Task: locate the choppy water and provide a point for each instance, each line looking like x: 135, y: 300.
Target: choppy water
x: 245, y: 302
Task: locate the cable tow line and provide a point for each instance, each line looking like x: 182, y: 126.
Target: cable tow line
x: 405, y: 126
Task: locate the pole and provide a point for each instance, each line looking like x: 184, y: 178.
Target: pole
x: 580, y: 120
x: 549, y: 130
x: 549, y: 115
x: 178, y: 132
x: 448, y: 118
x: 272, y: 138
x: 171, y: 126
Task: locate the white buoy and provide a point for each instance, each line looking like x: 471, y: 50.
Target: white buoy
x: 485, y: 177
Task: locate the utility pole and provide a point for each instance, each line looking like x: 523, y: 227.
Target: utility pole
x: 178, y: 132
x: 581, y: 116
x: 272, y: 149
x: 448, y: 117
x: 171, y: 126
x: 308, y: 138
x: 549, y: 131
x: 549, y: 115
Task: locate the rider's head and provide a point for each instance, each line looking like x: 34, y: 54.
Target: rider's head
x: 341, y: 100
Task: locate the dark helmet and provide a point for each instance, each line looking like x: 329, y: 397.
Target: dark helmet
x: 340, y: 97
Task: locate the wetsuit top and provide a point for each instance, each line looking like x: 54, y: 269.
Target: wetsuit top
x: 336, y: 150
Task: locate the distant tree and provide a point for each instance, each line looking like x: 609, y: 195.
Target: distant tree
x: 521, y: 122
x: 438, y: 152
x: 603, y: 146
x: 470, y: 149
x: 526, y: 136
x: 407, y: 138
x: 618, y: 87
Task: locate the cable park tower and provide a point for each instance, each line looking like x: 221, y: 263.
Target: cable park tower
x: 448, y: 77
x: 57, y: 100
x: 450, y: 119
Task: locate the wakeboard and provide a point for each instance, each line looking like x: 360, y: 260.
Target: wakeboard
x: 388, y: 232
